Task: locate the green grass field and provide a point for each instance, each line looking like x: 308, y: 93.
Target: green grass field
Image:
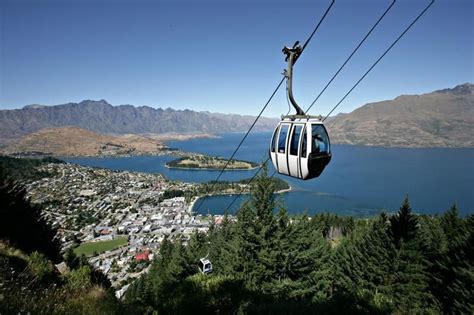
x: 99, y: 247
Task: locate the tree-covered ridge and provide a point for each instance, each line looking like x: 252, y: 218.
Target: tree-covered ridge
x: 265, y: 263
x: 279, y: 184
x: 29, y: 281
x: 19, y: 169
x: 241, y: 186
x: 210, y: 162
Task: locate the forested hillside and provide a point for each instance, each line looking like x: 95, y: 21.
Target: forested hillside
x: 17, y: 169
x: 29, y: 281
x: 263, y: 263
x: 266, y: 263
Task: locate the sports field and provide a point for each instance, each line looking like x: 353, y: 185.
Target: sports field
x: 99, y: 247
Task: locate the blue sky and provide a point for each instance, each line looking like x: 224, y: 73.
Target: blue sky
x: 225, y: 56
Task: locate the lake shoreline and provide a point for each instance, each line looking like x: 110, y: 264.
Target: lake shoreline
x: 192, y: 203
x: 210, y: 169
x: 359, y: 179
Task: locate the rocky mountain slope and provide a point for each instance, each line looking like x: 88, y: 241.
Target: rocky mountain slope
x: 443, y: 118
x: 101, y: 117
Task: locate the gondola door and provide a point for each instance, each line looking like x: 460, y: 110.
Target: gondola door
x: 281, y: 152
x: 303, y: 155
x: 294, y: 147
x: 273, y: 147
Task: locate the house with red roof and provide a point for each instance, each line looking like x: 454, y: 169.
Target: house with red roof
x: 142, y: 256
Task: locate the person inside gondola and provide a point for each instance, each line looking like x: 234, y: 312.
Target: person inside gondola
x: 319, y: 143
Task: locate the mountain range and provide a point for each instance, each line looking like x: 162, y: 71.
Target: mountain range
x: 103, y: 118
x: 443, y: 118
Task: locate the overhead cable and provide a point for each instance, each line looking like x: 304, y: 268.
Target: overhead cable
x: 268, y: 102
x: 352, y: 54
x: 355, y: 85
x: 381, y: 57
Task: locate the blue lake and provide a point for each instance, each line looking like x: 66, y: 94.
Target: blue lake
x: 359, y: 181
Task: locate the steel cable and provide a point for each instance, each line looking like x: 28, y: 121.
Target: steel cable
x: 268, y: 102
x: 381, y: 57
x: 365, y: 74
x: 352, y: 54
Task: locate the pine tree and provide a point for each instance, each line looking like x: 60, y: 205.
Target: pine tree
x: 282, y: 246
x: 364, y: 264
x: 434, y: 247
x: 263, y: 198
x: 257, y: 233
x: 462, y: 288
x: 321, y: 276
x: 247, y: 245
x: 451, y: 223
x: 410, y: 280
x: 378, y: 250
x: 223, y: 247
x: 456, y: 270
x: 404, y: 224
x: 263, y: 202
x: 410, y: 286
x: 349, y: 262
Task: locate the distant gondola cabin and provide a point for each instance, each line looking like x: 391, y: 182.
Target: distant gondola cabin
x: 205, y: 266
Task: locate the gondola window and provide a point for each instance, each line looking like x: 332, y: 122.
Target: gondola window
x: 282, y: 138
x: 295, y: 140
x: 320, y: 141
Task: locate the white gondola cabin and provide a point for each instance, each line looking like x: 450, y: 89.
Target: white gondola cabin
x: 300, y: 147
x: 205, y: 265
x: 300, y: 144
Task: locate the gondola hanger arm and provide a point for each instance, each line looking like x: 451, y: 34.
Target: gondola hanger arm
x: 292, y: 55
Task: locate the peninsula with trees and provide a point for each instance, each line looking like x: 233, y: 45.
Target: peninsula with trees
x: 204, y: 162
